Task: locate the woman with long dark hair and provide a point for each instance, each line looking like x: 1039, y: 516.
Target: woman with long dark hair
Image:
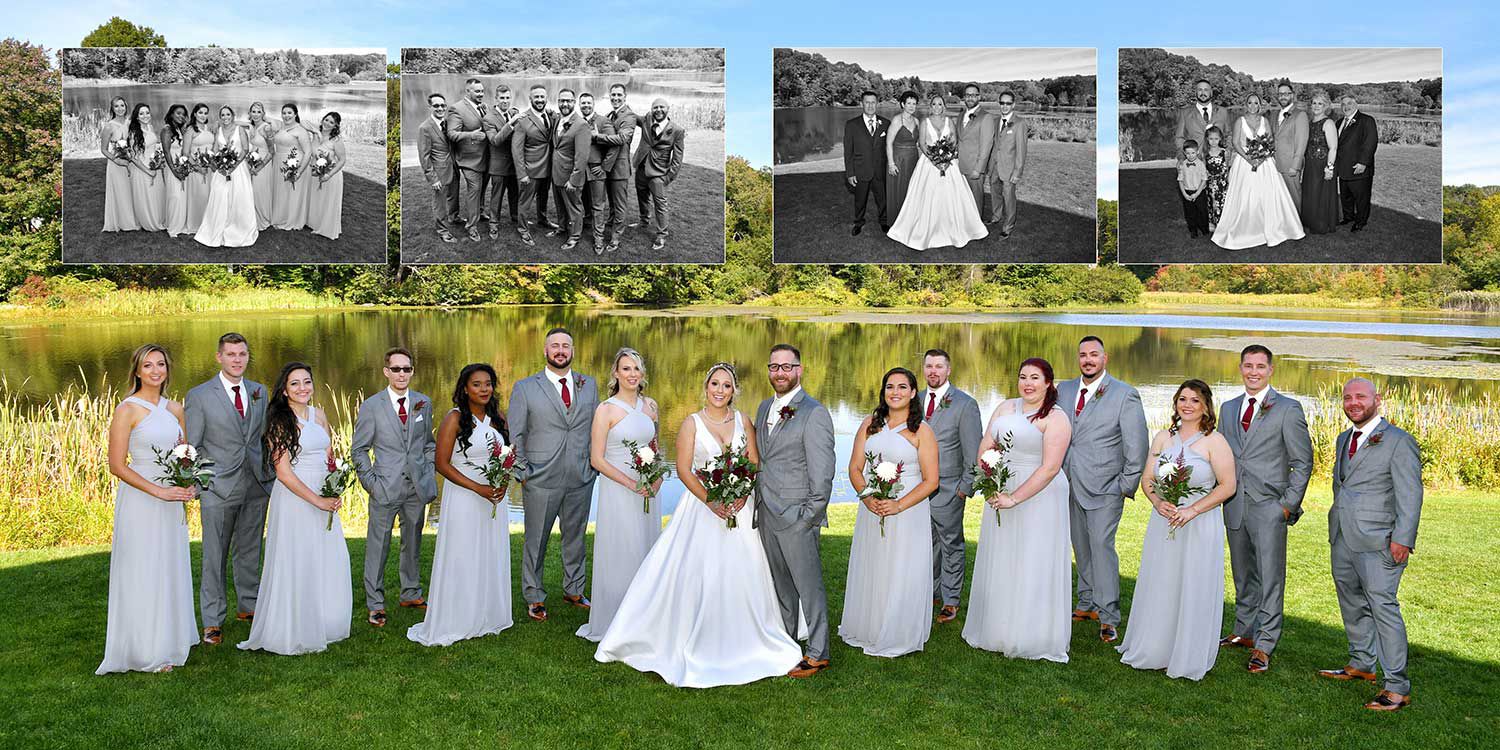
x: 173, y: 187
x: 471, y: 593
x: 150, y: 626
x: 306, y: 600
x: 293, y: 146
x: 200, y: 140
x: 145, y: 193
x: 114, y: 144
x: 1179, y: 593
x: 1021, y: 597
x: 888, y: 595
x: 326, y: 200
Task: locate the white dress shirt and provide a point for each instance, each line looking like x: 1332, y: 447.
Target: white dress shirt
x: 396, y: 407
x: 774, y: 416
x: 939, y: 393
x: 1364, y: 434
x: 1285, y: 113
x: 557, y: 383
x: 1260, y: 403
x: 229, y: 390
x: 1089, y: 389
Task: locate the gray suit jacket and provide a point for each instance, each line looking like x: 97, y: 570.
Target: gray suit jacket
x: 1108, y: 451
x: 1377, y: 497
x: 958, y: 426
x: 797, y: 464
x: 1190, y: 126
x: 401, y: 451
x: 554, y: 440
x: 234, y: 444
x: 1273, y: 461
x: 1291, y: 139
x: 975, y: 142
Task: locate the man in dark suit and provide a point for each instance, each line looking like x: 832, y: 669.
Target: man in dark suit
x: 1355, y: 166
x: 470, y: 153
x: 601, y: 160
x: 864, y: 160
x: 657, y: 160
x: 436, y: 158
x: 570, y: 153
x: 531, y: 151
x: 498, y: 126
x: 617, y: 178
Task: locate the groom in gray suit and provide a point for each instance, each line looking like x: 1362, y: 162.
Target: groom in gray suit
x: 955, y: 420
x: 795, y: 435
x: 551, y: 421
x: 1267, y: 433
x: 1372, y: 530
x: 1104, y: 463
x: 396, y: 426
x: 226, y: 418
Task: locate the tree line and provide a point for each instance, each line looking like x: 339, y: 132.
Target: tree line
x: 803, y: 79
x: 558, y: 60
x: 219, y: 65
x: 1158, y: 78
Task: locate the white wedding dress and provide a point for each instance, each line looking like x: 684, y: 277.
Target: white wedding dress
x: 306, y: 598
x: 470, y: 595
x: 150, y: 625
x: 1021, y: 599
x: 702, y: 611
x: 939, y: 209
x: 888, y: 596
x: 229, y: 218
x: 1258, y: 209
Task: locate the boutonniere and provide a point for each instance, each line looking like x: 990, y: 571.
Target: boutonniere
x: 419, y: 405
x: 1375, y: 439
x: 255, y: 395
x: 1265, y: 406
x: 946, y: 402
x: 1099, y: 393
x: 787, y: 412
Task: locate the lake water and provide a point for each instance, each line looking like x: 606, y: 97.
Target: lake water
x: 845, y: 353
x: 365, y: 98
x: 1147, y: 134
x: 810, y: 133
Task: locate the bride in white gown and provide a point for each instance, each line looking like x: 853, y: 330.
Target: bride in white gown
x: 939, y: 209
x: 1258, y: 209
x: 702, y: 611
x: 229, y: 217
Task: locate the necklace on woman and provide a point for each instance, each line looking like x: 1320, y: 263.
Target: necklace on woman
x: 716, y: 420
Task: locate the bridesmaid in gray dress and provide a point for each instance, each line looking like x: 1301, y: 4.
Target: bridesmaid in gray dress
x: 263, y: 174
x: 200, y: 140
x: 119, y: 216
x: 901, y: 153
x: 326, y: 199
x: 1179, y: 593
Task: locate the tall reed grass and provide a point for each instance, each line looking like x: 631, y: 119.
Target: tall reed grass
x: 1485, y: 302
x: 702, y: 114
x: 1063, y: 128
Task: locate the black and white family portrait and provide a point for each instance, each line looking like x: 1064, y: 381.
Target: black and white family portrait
x: 908, y: 155
x: 562, y: 155
x: 1270, y: 155
x: 223, y: 155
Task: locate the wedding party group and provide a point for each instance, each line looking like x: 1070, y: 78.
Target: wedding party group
x: 928, y: 175
x: 726, y: 591
x: 486, y: 154
x: 219, y: 179
x: 1279, y: 171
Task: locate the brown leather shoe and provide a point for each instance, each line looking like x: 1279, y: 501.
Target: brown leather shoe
x: 245, y: 617
x: 417, y: 603
x: 948, y: 613
x: 537, y: 611
x: 807, y: 668
x: 1347, y: 673
x: 377, y: 618
x: 1083, y: 615
x: 580, y: 601
x: 1386, y: 700
x: 1232, y: 641
x: 1260, y: 661
x: 213, y: 636
x: 1108, y: 634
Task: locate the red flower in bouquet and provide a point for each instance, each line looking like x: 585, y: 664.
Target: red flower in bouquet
x: 649, y: 468
x: 727, y: 478
x: 883, y: 481
x: 992, y: 473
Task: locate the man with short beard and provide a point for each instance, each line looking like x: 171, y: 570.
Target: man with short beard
x: 1197, y: 116
x: 570, y: 153
x: 955, y: 420
x: 531, y: 151
x: 656, y: 163
x: 601, y: 161
x: 470, y: 153
x: 499, y: 124
x: 617, y: 181
x: 1290, y: 126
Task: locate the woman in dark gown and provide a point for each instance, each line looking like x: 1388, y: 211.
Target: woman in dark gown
x: 1320, y: 192
x: 901, y: 153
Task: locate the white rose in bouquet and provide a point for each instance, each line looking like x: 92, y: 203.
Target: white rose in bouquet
x: 886, y: 471
x: 1167, y: 470
x: 991, y: 457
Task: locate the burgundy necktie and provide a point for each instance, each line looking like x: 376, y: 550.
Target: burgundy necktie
x: 401, y: 408
x: 567, y: 398
x: 1079, y: 408
x: 931, y: 403
x: 239, y: 405
x: 1354, y: 443
x: 1249, y: 412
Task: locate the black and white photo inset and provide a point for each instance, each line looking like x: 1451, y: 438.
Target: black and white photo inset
x: 562, y: 155
x: 223, y: 155
x: 1281, y: 155
x: 938, y: 155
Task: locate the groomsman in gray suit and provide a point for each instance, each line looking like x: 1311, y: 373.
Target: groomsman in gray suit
x: 396, y: 426
x: 531, y: 153
x: 795, y: 435
x: 601, y: 160
x: 1267, y: 432
x: 1197, y: 116
x: 436, y: 157
x: 226, y: 419
x: 624, y: 122
x: 1104, y: 463
x: 1372, y: 530
x: 570, y: 155
x: 1290, y: 126
x: 976, y: 140
x: 471, y: 154
x: 954, y: 418
x: 551, y: 419
x: 499, y: 124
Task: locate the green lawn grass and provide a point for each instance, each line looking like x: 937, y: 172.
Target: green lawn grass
x: 537, y: 684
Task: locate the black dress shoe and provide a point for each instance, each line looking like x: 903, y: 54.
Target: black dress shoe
x: 1356, y: 227
x: 1003, y: 235
x: 855, y: 230
x: 885, y: 228
x: 1345, y: 221
x: 1192, y: 233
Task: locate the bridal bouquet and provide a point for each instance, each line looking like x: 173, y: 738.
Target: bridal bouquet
x: 224, y: 159
x: 1173, y: 484
x: 255, y: 158
x: 290, y: 165
x: 883, y: 481
x: 649, y: 467
x: 727, y: 478
x: 157, y: 160
x: 183, y: 466
x: 119, y: 149
x: 1260, y: 147
x: 322, y: 165
x: 991, y: 474
x: 340, y: 476
x: 500, y: 468
x: 943, y: 152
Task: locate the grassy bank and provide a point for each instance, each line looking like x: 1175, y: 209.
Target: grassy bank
x: 537, y: 684
x: 51, y: 300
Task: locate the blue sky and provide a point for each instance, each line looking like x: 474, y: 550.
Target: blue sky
x: 749, y: 29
